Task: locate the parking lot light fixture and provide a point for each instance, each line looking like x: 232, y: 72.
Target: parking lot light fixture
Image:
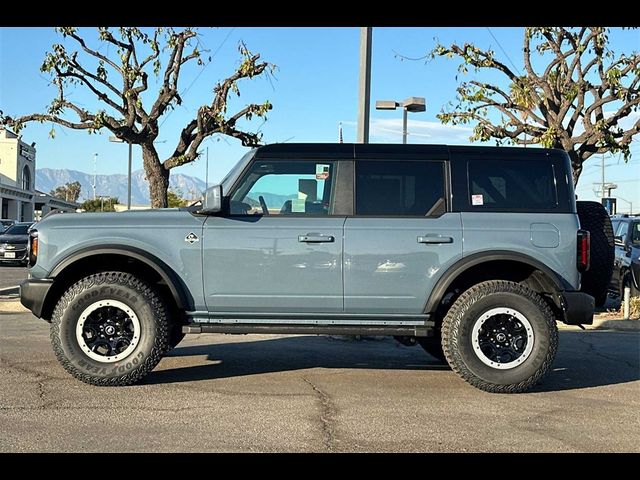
x: 411, y: 104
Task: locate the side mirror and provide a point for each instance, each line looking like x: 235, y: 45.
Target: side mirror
x: 618, y: 241
x: 212, y: 201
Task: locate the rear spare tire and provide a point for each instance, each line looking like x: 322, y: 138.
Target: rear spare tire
x: 595, y: 281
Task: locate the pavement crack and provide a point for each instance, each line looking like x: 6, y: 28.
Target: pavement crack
x: 591, y: 348
x: 326, y: 417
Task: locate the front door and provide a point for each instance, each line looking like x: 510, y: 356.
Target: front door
x: 402, y: 237
x: 279, y: 248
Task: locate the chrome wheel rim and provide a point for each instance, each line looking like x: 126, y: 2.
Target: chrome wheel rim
x: 502, y: 338
x: 108, y: 331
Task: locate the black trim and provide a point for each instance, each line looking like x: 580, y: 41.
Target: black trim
x: 33, y: 293
x: 578, y: 308
x: 314, y: 316
x: 178, y: 289
x: 465, y: 263
x: 417, y: 331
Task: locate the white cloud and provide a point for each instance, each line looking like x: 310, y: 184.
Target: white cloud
x: 419, y: 131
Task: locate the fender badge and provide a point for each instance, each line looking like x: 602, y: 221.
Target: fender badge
x: 191, y: 238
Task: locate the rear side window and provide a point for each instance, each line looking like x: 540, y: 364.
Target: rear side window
x: 400, y: 188
x: 505, y: 185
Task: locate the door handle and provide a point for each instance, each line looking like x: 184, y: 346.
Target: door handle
x: 316, y: 238
x: 435, y: 239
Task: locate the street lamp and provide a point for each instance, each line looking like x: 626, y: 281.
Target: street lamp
x: 411, y: 104
x: 119, y: 140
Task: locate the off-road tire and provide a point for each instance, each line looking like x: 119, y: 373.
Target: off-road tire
x: 468, y: 308
x: 433, y: 346
x: 595, y: 281
x: 143, y: 301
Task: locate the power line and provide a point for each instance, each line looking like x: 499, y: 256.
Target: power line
x: 503, y: 51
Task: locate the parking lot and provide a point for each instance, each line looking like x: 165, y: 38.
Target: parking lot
x: 313, y: 393
x: 11, y: 276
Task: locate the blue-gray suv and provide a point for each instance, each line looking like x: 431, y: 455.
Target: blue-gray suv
x: 472, y: 252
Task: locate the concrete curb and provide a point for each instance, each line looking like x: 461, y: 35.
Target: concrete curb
x: 11, y: 306
x: 607, y: 324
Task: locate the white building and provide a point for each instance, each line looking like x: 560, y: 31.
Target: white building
x: 45, y: 203
x: 17, y: 177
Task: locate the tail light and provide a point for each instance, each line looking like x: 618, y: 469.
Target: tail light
x: 32, y: 247
x: 584, y: 250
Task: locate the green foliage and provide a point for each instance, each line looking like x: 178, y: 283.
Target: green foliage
x: 104, y: 204
x: 575, y: 98
x: 174, y: 199
x: 69, y: 191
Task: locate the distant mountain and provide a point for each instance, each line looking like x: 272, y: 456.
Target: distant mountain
x: 48, y: 179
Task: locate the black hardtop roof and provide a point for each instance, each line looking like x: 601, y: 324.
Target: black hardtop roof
x: 376, y: 150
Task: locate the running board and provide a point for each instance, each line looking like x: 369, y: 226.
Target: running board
x: 279, y: 328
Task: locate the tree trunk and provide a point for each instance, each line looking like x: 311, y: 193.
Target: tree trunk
x: 157, y: 175
x: 576, y: 165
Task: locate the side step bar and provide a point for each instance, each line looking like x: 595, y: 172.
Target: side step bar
x: 395, y: 330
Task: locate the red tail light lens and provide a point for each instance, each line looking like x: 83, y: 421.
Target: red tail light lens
x: 584, y: 250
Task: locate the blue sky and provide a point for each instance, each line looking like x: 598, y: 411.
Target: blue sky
x: 315, y: 87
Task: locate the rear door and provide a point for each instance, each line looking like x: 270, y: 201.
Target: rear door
x: 402, y: 236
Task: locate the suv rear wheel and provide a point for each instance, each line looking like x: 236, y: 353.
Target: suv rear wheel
x: 110, y: 328
x: 500, y: 336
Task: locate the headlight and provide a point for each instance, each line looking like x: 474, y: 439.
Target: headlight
x: 32, y: 247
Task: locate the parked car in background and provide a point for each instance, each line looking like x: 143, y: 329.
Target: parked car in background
x: 5, y: 223
x: 13, y: 243
x: 626, y: 265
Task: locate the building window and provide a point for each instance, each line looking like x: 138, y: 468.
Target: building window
x: 26, y: 178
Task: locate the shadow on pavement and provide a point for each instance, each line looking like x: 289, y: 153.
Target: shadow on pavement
x: 585, y: 359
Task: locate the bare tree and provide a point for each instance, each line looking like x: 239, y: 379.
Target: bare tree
x: 127, y: 109
x: 576, y: 103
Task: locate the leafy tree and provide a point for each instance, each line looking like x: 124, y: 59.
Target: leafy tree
x: 69, y: 191
x: 119, y: 77
x: 174, y: 199
x: 574, y: 101
x: 103, y: 204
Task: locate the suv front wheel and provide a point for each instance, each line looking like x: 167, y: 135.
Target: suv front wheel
x: 500, y: 336
x: 110, y: 328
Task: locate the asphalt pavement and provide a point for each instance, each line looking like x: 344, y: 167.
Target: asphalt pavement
x: 11, y: 276
x: 319, y: 394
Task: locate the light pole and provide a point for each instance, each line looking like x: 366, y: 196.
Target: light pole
x: 118, y: 140
x: 411, y: 104
x: 95, y: 161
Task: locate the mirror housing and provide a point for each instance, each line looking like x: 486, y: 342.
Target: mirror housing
x: 212, y: 200
x: 618, y: 241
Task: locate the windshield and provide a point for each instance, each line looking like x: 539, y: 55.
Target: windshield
x: 235, y: 171
x: 17, y: 230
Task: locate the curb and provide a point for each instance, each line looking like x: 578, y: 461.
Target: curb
x: 11, y: 306
x: 606, y: 324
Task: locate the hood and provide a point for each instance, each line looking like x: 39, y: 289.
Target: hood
x: 13, y: 239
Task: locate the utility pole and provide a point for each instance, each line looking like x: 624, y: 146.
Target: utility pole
x: 95, y: 160
x: 129, y: 183
x: 365, y: 84
x: 602, y: 191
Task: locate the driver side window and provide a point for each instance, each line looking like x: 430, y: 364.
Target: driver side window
x: 285, y: 187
